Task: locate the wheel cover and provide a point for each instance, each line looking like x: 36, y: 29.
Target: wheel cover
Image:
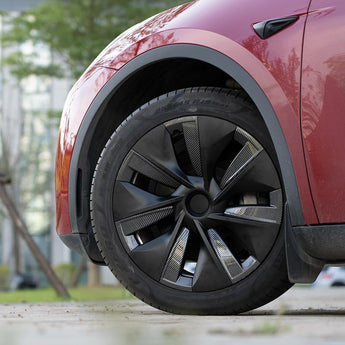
x: 197, y: 203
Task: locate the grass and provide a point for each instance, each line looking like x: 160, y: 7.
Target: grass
x: 77, y: 294
x: 267, y: 328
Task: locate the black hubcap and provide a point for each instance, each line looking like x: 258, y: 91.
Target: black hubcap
x: 197, y: 203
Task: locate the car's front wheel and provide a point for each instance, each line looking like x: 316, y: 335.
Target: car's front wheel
x: 187, y: 204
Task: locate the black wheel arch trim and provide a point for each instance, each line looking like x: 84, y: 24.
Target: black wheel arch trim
x: 218, y: 60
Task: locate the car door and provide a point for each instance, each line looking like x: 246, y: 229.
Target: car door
x: 323, y: 107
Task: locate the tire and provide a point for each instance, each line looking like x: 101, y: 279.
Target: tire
x: 338, y: 284
x: 187, y: 204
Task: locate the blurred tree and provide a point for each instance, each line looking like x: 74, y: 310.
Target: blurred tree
x: 24, y: 232
x: 77, y: 30
x: 74, y: 31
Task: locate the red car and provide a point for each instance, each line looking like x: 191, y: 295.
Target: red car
x: 201, y: 154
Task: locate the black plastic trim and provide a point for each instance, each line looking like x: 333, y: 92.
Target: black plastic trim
x: 84, y: 245
x: 270, y: 27
x: 91, y: 249
x: 302, y: 268
x: 218, y: 60
x: 309, y: 248
x: 73, y: 241
x: 324, y: 242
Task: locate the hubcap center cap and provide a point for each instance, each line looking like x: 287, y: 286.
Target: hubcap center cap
x: 198, y: 204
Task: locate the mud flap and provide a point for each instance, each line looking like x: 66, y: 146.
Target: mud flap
x: 302, y: 268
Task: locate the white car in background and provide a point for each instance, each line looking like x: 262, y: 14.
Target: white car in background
x: 331, y: 277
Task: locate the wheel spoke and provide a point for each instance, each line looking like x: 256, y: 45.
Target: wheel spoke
x: 215, y: 135
x: 156, y: 147
x: 231, y: 220
x: 229, y: 262
x: 205, y: 139
x: 252, y: 227
x: 207, y: 274
x: 209, y: 247
x: 191, y: 137
x: 258, y: 214
x: 140, y: 221
x: 136, y: 162
x: 243, y: 162
x: 260, y: 176
x: 135, y: 201
x: 229, y: 185
x: 150, y: 256
x: 251, y: 237
x: 234, y: 269
x: 175, y: 260
x: 247, y: 154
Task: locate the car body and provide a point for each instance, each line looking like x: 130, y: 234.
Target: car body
x: 330, y: 277
x: 293, y: 76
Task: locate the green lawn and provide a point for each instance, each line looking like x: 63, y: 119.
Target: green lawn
x: 77, y: 294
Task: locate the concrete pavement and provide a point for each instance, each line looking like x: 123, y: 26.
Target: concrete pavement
x: 301, y: 316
